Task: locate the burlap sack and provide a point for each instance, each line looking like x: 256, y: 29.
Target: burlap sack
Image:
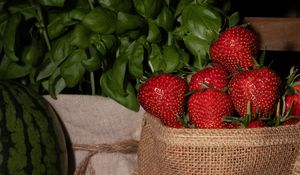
x: 259, y: 151
x: 102, y: 135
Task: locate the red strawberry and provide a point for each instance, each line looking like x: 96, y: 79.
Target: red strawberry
x: 236, y: 46
x: 256, y: 124
x: 291, y: 121
x: 215, y: 76
x: 258, y: 86
x: 164, y: 97
x: 295, y: 99
x: 206, y: 109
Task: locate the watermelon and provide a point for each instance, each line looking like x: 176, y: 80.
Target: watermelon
x: 32, y: 140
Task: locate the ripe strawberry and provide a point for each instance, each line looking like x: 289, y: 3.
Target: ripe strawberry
x: 258, y: 86
x: 206, y: 109
x: 236, y: 46
x: 163, y: 96
x: 295, y: 100
x: 291, y: 121
x: 256, y: 124
x: 215, y: 76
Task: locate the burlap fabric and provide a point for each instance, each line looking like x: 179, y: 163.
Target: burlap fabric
x: 259, y: 151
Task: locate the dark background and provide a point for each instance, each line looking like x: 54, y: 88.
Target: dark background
x: 282, y: 61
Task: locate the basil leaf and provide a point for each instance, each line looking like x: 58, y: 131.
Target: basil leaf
x: 101, y: 20
x: 127, y: 22
x: 57, y: 88
x: 202, y: 21
x: 11, y: 70
x: 113, y: 85
x: 181, y: 5
x: 156, y: 61
x: 57, y: 3
x: 165, y: 19
x: 154, y: 34
x: 135, y: 54
x: 61, y: 49
x: 92, y: 64
x: 72, y: 69
x: 117, y: 5
x: 171, y: 58
x: 234, y: 19
x: 147, y: 8
x: 11, y: 35
x: 79, y: 36
x: 34, y: 53
x: 53, y: 80
x: 46, y: 68
x: 27, y: 10
x: 56, y: 27
x: 103, y: 43
x: 199, y: 48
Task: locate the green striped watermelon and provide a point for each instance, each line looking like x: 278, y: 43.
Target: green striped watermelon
x: 32, y: 141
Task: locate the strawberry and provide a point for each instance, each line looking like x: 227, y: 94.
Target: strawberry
x: 291, y: 121
x: 260, y: 87
x: 256, y: 124
x: 236, y: 46
x: 214, y: 76
x: 163, y: 96
x: 293, y: 100
x: 206, y: 109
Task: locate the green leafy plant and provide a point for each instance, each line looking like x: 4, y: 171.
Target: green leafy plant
x: 105, y: 47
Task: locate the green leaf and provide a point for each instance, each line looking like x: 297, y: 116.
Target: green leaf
x: 27, y: 10
x: 135, y: 54
x: 154, y: 34
x: 92, y: 64
x: 11, y: 70
x: 103, y: 43
x: 34, y: 53
x: 199, y: 48
x: 101, y: 20
x: 234, y: 19
x: 57, y: 3
x: 10, y: 36
x: 77, y: 14
x: 117, y: 5
x: 202, y: 21
x: 147, y: 8
x: 171, y: 58
x: 72, y: 69
x: 61, y: 49
x: 127, y: 22
x: 165, y: 19
x: 46, y: 68
x: 181, y: 5
x: 58, y: 87
x: 113, y: 85
x: 156, y: 61
x: 52, y: 83
x: 79, y: 36
x: 56, y: 27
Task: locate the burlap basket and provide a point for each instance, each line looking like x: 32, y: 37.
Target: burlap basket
x: 259, y: 151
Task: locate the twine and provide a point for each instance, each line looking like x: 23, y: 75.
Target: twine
x: 125, y: 147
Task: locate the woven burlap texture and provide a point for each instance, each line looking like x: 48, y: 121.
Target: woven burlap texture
x: 257, y: 151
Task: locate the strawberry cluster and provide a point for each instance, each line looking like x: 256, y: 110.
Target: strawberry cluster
x: 233, y: 91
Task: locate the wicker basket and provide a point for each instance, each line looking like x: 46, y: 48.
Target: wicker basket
x: 257, y: 151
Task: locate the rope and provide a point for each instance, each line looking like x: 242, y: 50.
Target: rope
x: 125, y: 147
